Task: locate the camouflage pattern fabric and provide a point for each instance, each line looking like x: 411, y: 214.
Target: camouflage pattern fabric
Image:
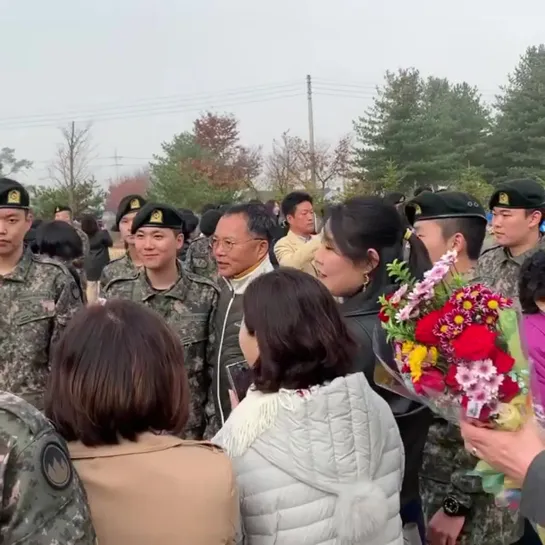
x: 37, y: 300
x: 444, y: 473
x: 189, y: 308
x: 500, y: 270
x: 123, y: 267
x: 84, y: 240
x: 199, y: 259
x: 43, y: 500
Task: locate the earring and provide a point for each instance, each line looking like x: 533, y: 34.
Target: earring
x: 365, y: 280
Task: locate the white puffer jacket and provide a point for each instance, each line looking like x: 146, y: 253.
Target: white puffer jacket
x: 324, y: 467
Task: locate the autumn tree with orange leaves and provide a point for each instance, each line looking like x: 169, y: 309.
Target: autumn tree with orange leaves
x: 206, y: 164
x: 134, y: 184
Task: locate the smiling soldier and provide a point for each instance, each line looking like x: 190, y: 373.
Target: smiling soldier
x: 38, y: 296
x: 187, y: 302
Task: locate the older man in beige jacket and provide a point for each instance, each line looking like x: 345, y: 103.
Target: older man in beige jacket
x: 298, y: 247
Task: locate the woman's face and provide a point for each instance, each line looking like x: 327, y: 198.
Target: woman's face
x: 248, y: 345
x: 339, y: 274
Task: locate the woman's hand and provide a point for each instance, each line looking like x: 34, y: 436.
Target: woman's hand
x: 509, y: 452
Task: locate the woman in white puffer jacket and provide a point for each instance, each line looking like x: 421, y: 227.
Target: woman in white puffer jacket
x: 317, y: 453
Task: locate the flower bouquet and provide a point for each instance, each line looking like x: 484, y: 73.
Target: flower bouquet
x: 456, y: 348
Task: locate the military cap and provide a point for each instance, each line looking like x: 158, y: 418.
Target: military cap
x: 443, y: 205
x: 62, y: 208
x: 524, y: 194
x: 157, y: 215
x: 127, y: 205
x: 13, y: 194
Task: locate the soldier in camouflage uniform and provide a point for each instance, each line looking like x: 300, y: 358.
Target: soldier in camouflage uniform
x: 43, y: 500
x: 199, y: 258
x: 38, y: 296
x: 127, y: 265
x: 456, y: 507
x: 186, y: 301
x: 518, y: 208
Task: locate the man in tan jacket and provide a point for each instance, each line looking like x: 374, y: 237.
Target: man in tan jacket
x: 298, y: 247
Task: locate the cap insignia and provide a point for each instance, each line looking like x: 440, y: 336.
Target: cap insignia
x: 503, y: 198
x: 156, y: 216
x: 134, y: 204
x: 417, y: 210
x: 14, y: 197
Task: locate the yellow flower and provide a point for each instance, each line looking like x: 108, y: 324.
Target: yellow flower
x: 407, y: 347
x: 417, y: 355
x: 433, y: 354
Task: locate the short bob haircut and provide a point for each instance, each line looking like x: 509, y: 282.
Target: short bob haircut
x: 302, y: 338
x: 117, y: 371
x: 58, y: 239
x: 532, y: 282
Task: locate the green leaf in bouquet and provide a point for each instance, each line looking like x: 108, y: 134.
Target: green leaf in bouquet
x: 509, y: 329
x: 492, y: 480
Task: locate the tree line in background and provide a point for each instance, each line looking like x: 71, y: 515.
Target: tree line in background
x: 419, y: 131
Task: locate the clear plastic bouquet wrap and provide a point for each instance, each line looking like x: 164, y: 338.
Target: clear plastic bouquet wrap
x: 456, y: 348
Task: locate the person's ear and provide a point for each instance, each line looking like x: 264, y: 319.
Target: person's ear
x: 373, y: 260
x: 179, y: 241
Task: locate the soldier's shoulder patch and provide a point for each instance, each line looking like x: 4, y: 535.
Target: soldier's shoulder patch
x: 198, y: 279
x: 56, y: 466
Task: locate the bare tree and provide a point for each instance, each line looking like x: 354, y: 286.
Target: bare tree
x: 70, y: 168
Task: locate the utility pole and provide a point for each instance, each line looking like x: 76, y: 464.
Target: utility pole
x: 71, y: 159
x: 311, y: 133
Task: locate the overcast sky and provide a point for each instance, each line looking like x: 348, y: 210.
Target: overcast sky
x: 144, y: 69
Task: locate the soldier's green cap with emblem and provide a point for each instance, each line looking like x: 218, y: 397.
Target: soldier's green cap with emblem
x: 127, y: 205
x: 443, y: 205
x: 524, y: 194
x: 157, y: 215
x: 13, y: 195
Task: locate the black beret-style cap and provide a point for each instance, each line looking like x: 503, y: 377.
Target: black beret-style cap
x: 523, y: 194
x: 128, y: 204
x: 13, y: 195
x: 209, y: 221
x: 62, y: 208
x: 157, y: 215
x: 443, y: 205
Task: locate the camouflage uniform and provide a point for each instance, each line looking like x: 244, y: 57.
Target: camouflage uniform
x: 199, y: 259
x: 122, y: 267
x: 189, y: 308
x: 84, y: 240
x: 500, y: 270
x: 43, y: 500
x: 445, y: 465
x: 37, y: 299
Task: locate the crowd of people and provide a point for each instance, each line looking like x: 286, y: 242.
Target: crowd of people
x: 216, y: 383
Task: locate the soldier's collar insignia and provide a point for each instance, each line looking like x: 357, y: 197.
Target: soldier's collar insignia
x: 417, y: 209
x: 156, y: 217
x: 14, y: 197
x: 503, y: 198
x: 56, y: 466
x: 134, y: 204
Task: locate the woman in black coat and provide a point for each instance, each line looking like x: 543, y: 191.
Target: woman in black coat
x: 99, y: 256
x: 359, y: 239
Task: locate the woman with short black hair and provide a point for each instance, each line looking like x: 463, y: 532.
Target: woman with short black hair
x: 317, y: 453
x: 118, y: 393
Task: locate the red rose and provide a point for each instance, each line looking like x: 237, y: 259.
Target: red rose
x: 474, y: 343
x: 450, y: 378
x: 503, y: 362
x: 509, y: 389
x: 485, y: 413
x: 432, y: 380
x: 383, y: 317
x: 424, y: 328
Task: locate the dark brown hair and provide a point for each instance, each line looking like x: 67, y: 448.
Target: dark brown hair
x: 302, y: 338
x: 117, y: 371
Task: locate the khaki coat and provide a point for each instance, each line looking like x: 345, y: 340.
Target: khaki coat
x: 293, y: 251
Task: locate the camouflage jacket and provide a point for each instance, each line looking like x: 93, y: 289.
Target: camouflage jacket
x: 199, y: 259
x: 501, y: 270
x: 122, y: 267
x: 189, y: 308
x: 43, y: 500
x: 37, y: 300
x: 445, y: 467
x: 84, y: 240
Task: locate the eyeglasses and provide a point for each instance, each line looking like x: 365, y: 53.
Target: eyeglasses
x: 228, y: 245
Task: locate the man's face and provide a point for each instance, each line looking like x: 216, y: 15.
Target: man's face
x: 513, y: 227
x: 431, y: 234
x: 235, y: 249
x: 157, y: 248
x: 64, y: 216
x: 14, y: 225
x: 302, y: 221
x: 125, y: 226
